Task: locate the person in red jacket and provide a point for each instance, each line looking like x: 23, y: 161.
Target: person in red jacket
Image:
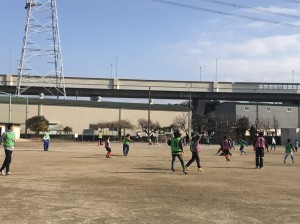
x: 259, y: 145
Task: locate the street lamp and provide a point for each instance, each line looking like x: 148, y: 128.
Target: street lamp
x: 200, y: 73
x: 216, y: 69
x: 111, y: 70
x: 150, y: 102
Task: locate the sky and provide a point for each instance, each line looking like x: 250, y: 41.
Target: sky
x: 158, y: 41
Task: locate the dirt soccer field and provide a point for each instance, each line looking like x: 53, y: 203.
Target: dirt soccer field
x: 75, y: 183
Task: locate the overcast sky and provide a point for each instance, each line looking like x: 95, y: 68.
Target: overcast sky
x: 158, y: 41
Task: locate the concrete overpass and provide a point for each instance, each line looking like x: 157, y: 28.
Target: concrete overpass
x: 163, y: 89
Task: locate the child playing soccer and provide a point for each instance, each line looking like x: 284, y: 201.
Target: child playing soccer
x: 100, y: 136
x: 243, y: 143
x: 226, y: 146
x: 296, y: 145
x: 126, y: 144
x: 195, y: 149
x: 259, y: 145
x: 46, y: 139
x: 8, y: 139
x: 207, y: 141
x: 288, y: 150
x: 107, y: 147
x: 273, y: 145
x: 177, y: 151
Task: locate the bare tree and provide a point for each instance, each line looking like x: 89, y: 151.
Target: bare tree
x: 180, y: 123
x: 143, y: 124
x: 260, y: 124
x: 115, y: 125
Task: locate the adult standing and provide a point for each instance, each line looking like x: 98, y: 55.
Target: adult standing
x: 259, y: 145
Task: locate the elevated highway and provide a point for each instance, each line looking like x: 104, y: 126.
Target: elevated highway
x: 163, y: 89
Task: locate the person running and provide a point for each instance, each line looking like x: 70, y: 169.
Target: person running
x: 100, y: 137
x: 46, y: 139
x: 226, y: 146
x: 273, y: 145
x: 177, y: 151
x: 296, y: 145
x: 195, y: 149
x: 126, y: 144
x: 107, y: 147
x: 8, y: 139
x: 243, y: 143
x: 259, y: 145
x: 289, y: 149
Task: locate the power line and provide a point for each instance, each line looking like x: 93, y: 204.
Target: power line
x: 225, y: 13
x: 253, y: 9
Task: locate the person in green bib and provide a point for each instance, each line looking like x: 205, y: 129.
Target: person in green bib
x: 8, y: 139
x: 126, y: 143
x: 100, y: 137
x: 46, y: 139
x: 242, y: 143
x: 177, y: 151
x: 289, y: 149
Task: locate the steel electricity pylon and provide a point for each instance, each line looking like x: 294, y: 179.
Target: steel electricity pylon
x: 41, y: 60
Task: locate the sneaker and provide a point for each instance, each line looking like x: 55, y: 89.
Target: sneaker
x: 200, y: 169
x: 8, y: 173
x: 187, y: 168
x: 2, y: 172
x: 257, y: 167
x: 185, y: 172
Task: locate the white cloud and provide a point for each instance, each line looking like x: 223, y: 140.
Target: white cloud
x: 292, y: 11
x: 268, y: 59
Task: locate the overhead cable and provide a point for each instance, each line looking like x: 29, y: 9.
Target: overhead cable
x: 226, y: 13
x: 253, y: 8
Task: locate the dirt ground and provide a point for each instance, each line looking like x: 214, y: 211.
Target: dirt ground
x: 75, y: 183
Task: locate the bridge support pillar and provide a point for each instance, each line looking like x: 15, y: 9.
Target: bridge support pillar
x: 199, y: 106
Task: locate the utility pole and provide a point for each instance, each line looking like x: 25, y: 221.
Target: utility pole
x: 149, y: 103
x: 200, y: 74
x: 216, y: 70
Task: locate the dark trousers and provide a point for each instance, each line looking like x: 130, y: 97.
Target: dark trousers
x: 273, y: 146
x: 125, y: 150
x: 259, y: 157
x: 180, y: 159
x: 46, y: 145
x: 7, y: 160
x: 195, y: 156
x: 99, y: 141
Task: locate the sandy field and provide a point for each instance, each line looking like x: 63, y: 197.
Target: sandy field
x: 75, y: 183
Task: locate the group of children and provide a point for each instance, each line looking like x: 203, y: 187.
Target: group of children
x: 259, y: 144
x: 126, y: 143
